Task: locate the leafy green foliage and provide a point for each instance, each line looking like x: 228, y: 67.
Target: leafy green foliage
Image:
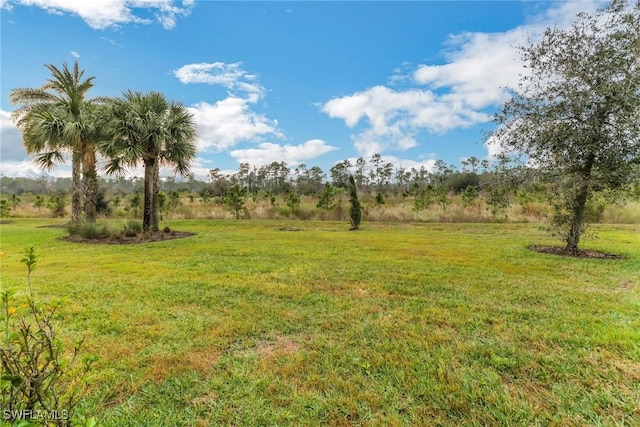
x: 326, y: 197
x: 56, y: 205
x: 424, y: 197
x: 40, y: 202
x: 234, y: 199
x: 292, y: 199
x: 41, y: 382
x: 442, y: 196
x: 58, y: 118
x: 149, y: 129
x: 576, y: 112
x: 135, y: 202
x: 14, y: 200
x: 355, y: 209
x: 469, y: 196
x: 132, y: 228
x: 88, y: 230
x: 5, y: 208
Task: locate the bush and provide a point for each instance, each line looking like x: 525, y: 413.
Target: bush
x: 56, y: 205
x: 41, y: 382
x: 89, y: 230
x: 132, y: 228
x: 5, y: 208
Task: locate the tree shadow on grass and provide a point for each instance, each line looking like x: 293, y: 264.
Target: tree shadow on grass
x: 158, y: 236
x: 558, y: 250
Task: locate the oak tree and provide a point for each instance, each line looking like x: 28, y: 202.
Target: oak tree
x: 576, y: 111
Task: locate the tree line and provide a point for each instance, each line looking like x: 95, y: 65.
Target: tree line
x: 573, y: 118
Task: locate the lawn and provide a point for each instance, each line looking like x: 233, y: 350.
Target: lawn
x: 247, y: 323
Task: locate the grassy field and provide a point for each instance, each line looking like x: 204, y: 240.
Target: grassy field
x: 396, y: 324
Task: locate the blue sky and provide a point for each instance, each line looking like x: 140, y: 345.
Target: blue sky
x: 300, y: 82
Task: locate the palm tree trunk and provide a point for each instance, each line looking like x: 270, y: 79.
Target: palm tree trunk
x: 76, y: 185
x: 90, y: 178
x: 155, y: 226
x: 147, y: 214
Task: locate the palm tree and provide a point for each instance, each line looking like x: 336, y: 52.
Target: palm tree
x: 149, y: 129
x: 57, y: 119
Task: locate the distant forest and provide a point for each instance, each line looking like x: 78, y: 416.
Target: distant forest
x: 373, y: 176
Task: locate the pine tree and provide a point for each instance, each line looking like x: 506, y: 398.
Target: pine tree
x: 355, y: 212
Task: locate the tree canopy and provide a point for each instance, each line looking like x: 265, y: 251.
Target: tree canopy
x: 57, y: 118
x: 576, y: 111
x: 148, y: 128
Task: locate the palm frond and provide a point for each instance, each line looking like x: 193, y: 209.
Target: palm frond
x: 115, y: 166
x: 49, y: 160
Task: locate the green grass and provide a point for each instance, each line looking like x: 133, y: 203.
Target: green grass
x: 397, y: 324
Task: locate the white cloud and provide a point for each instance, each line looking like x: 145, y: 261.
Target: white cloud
x: 14, y: 160
x: 229, y: 76
x: 393, y: 118
x: 291, y: 154
x: 407, y: 164
x: 75, y: 54
x: 460, y: 93
x: 199, y: 169
x: 494, y: 148
x: 231, y: 120
x: 478, y: 71
x: 11, y: 148
x: 481, y: 66
x: 228, y: 122
x: 27, y: 169
x: 102, y: 14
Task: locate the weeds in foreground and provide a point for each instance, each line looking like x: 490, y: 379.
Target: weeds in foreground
x: 41, y: 382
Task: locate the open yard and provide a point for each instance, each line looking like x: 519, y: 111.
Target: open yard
x: 253, y: 323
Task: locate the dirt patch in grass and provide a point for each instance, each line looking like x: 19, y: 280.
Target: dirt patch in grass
x: 625, y: 286
x: 290, y: 229
x: 557, y: 250
x: 166, y: 365
x: 128, y: 240
x: 282, y: 345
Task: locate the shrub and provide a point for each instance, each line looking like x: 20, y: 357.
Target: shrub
x: 234, y: 199
x: 5, y: 208
x: 355, y: 211
x: 134, y: 225
x: 326, y: 197
x: 56, y: 205
x: 89, y: 230
x: 40, y: 380
x: 132, y: 228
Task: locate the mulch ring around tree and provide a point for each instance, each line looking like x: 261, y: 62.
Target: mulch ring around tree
x: 558, y: 250
x: 288, y: 228
x: 53, y: 226
x: 157, y: 236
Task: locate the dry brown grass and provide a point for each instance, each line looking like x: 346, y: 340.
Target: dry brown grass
x: 396, y: 209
